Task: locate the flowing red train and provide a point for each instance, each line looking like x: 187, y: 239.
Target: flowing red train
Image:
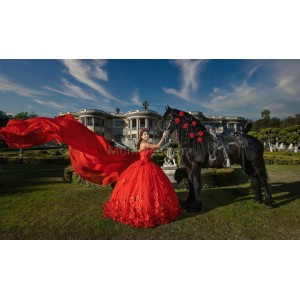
x: 143, y: 195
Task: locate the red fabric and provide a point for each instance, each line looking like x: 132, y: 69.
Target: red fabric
x: 92, y: 157
x: 143, y: 195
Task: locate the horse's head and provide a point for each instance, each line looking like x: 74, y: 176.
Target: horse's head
x: 169, y: 117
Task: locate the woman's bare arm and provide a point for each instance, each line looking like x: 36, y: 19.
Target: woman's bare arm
x: 145, y: 145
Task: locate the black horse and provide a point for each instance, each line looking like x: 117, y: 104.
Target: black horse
x: 200, y: 148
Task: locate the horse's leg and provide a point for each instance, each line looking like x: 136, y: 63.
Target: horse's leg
x: 257, y: 189
x: 260, y: 169
x: 195, y: 202
x: 269, y: 200
x: 250, y: 171
x: 190, y: 198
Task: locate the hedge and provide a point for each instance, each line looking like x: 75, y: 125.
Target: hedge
x: 34, y: 160
x: 212, y: 177
x: 281, y: 161
x: 72, y: 177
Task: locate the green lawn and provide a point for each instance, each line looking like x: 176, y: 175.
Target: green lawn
x: 35, y: 203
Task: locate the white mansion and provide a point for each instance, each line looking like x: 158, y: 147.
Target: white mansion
x: 124, y: 127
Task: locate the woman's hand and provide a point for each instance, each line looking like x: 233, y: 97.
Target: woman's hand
x: 165, y: 134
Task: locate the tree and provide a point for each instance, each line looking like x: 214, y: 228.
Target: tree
x: 4, y: 118
x: 253, y: 133
x: 265, y: 122
x: 269, y: 135
x: 265, y: 114
x: 290, y: 121
x: 290, y: 135
x: 24, y: 115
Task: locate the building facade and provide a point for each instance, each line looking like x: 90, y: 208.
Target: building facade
x: 124, y: 127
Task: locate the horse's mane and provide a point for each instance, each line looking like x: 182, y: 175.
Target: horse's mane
x: 203, y: 147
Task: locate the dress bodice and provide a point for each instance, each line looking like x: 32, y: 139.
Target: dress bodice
x: 145, y: 155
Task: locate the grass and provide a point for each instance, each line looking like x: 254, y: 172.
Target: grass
x: 35, y: 203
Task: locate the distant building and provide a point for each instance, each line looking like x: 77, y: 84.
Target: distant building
x: 124, y: 127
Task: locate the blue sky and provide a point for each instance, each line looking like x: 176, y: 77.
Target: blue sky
x: 215, y: 87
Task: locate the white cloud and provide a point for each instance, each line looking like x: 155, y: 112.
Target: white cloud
x: 49, y: 103
x: 236, y: 98
x: 9, y: 86
x: 88, y: 74
x: 253, y: 70
x: 189, y: 82
x: 136, y: 98
x: 281, y: 95
x: 287, y: 77
x: 69, y: 89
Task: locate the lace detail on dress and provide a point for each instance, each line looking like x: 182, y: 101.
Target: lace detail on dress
x: 144, y: 196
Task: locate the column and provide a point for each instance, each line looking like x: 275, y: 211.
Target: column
x: 130, y: 128
x: 147, y: 123
x: 137, y: 127
x: 93, y: 123
x: 235, y: 127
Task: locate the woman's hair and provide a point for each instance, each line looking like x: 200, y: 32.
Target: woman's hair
x: 140, y: 139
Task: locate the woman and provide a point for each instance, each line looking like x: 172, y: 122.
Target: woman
x: 143, y: 195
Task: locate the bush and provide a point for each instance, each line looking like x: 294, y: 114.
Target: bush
x: 159, y: 159
x: 281, y: 161
x: 75, y: 178
x: 56, y: 153
x: 212, y: 177
x: 41, y: 152
x: 34, y: 160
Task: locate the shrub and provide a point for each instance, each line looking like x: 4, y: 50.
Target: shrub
x: 34, y: 160
x: 212, y: 177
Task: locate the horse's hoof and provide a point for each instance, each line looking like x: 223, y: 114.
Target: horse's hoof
x: 269, y: 206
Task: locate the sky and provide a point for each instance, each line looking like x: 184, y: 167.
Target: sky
x: 241, y: 87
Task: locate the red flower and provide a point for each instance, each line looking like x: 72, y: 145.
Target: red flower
x: 192, y: 135
x: 194, y: 123
x: 177, y: 120
x: 185, y: 125
x: 200, y: 133
x: 181, y: 114
x: 200, y: 140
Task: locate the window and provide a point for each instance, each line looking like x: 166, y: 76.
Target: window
x: 119, y: 123
x: 89, y: 121
x: 97, y: 122
x: 150, y: 123
x: 142, y: 122
x: 134, y: 123
x: 102, y: 123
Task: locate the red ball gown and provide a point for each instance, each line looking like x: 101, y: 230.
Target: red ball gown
x: 143, y: 195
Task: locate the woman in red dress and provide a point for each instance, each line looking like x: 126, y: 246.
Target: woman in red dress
x: 143, y: 195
